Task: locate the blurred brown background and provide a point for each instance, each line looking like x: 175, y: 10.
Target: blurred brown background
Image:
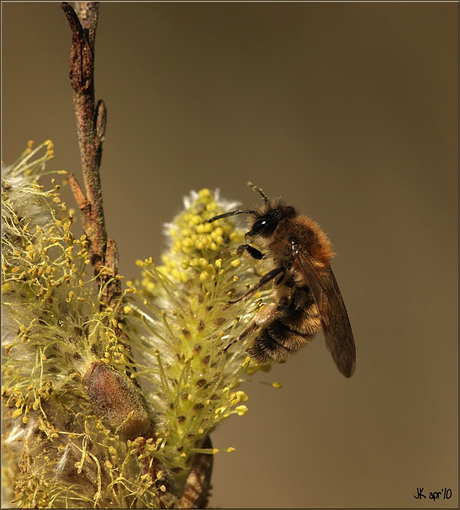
x: 349, y: 111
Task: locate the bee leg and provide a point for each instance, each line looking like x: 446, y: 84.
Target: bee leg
x: 254, y: 252
x: 252, y: 327
x: 283, y: 304
x: 264, y: 280
x: 260, y: 321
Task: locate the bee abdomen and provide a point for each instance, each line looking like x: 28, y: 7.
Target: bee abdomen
x: 301, y: 316
x: 267, y: 348
x: 304, y: 322
x: 277, y: 342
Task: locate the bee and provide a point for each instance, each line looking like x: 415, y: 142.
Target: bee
x: 305, y: 296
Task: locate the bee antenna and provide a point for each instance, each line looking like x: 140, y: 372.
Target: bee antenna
x: 258, y: 190
x: 225, y: 215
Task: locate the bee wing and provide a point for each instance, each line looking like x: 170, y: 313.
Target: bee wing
x: 332, y: 311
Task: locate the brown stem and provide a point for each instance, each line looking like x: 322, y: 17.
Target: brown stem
x: 77, y: 191
x: 196, y: 491
x: 91, y: 121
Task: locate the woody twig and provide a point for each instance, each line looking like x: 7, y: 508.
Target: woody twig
x: 91, y: 121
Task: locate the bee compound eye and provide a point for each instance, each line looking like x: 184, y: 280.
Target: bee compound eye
x: 258, y: 226
x: 265, y: 226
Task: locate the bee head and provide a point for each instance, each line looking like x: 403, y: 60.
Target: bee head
x: 266, y: 223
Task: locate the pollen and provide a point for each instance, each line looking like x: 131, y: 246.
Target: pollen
x: 204, y: 193
x: 241, y: 410
x: 218, y: 232
x: 207, y: 227
x: 242, y: 396
x: 153, y: 392
x: 17, y: 413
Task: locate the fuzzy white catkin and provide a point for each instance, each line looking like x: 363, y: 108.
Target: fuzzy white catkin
x: 78, y: 445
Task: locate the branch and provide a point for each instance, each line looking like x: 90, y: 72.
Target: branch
x: 91, y: 122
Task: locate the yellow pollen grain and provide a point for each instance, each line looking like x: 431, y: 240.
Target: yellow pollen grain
x: 201, y: 243
x: 218, y: 232
x: 235, y: 399
x: 241, y: 410
x: 175, y: 274
x: 236, y: 263
x: 242, y: 396
x: 204, y: 193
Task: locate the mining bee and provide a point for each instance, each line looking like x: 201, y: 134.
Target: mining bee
x: 305, y: 296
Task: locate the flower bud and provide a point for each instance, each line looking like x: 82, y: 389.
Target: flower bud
x: 116, y: 400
